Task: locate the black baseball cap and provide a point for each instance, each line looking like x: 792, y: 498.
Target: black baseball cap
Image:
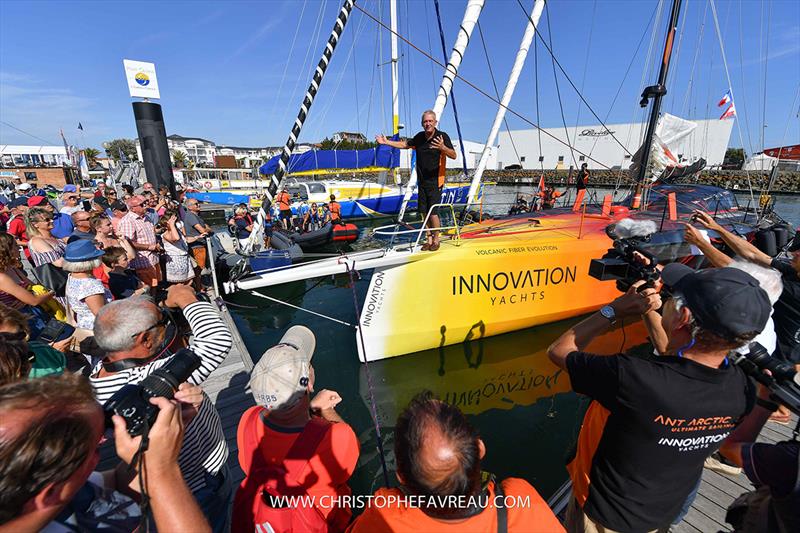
x: 119, y: 206
x: 726, y: 301
x: 102, y: 201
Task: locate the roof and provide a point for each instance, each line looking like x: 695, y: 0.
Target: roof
x: 182, y: 138
x: 32, y: 149
x: 222, y: 146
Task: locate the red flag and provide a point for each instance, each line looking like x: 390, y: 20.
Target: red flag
x: 729, y: 113
x: 541, y: 183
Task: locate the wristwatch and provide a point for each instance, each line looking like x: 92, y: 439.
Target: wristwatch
x: 608, y: 312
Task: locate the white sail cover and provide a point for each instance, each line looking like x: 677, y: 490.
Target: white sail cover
x: 669, y: 132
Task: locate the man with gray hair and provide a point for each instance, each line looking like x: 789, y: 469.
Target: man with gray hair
x: 432, y: 147
x: 136, y: 336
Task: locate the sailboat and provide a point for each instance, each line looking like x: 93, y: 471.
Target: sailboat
x: 495, y: 276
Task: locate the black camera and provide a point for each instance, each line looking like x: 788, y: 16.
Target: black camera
x: 782, y: 380
x: 620, y: 264
x: 132, y: 402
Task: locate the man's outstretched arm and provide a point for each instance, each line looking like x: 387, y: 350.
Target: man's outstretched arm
x: 382, y: 139
x: 740, y: 246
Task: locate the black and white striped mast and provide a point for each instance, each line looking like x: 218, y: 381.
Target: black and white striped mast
x: 311, y: 93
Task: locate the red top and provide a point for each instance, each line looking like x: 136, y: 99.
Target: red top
x: 283, y: 200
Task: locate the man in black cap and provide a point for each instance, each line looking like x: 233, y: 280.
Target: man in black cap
x: 653, y: 422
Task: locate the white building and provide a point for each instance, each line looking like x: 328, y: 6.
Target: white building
x: 250, y: 157
x: 708, y: 140
x: 32, y: 156
x: 473, y: 151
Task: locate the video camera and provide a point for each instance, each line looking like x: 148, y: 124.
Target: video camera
x: 620, y: 263
x: 132, y: 402
x: 782, y: 381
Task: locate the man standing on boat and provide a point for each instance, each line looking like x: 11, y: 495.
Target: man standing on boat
x: 432, y: 146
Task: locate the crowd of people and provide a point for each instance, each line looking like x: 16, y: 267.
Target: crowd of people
x: 305, y: 217
x: 102, y: 293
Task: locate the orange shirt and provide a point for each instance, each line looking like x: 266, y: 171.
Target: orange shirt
x: 284, y: 201
x: 536, y: 517
x: 326, y: 474
x: 336, y: 211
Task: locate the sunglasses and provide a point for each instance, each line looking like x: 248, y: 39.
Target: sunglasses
x: 71, y: 198
x: 163, y: 322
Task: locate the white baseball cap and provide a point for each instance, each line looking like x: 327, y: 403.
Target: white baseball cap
x: 280, y: 378
x: 23, y: 186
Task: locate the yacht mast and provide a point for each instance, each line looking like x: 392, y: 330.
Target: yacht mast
x: 255, y: 241
x: 519, y: 62
x: 395, y: 83
x: 471, y: 15
x: 656, y: 92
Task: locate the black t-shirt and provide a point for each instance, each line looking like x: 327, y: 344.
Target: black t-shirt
x: 122, y: 285
x: 431, y: 163
x: 646, y: 436
x: 778, y: 467
x: 787, y: 313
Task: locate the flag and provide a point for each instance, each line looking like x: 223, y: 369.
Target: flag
x: 80, y: 126
x: 541, y: 183
x: 122, y: 157
x: 84, y: 166
x: 725, y: 99
x: 729, y: 113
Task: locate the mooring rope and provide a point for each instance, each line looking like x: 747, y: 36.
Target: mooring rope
x: 287, y: 304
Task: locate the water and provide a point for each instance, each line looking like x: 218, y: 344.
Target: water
x: 506, y: 385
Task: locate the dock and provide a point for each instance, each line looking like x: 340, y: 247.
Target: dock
x: 226, y: 387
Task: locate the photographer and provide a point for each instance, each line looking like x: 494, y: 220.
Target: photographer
x: 773, y: 468
x: 787, y: 308
x: 136, y: 335
x: 49, y: 431
x: 653, y: 422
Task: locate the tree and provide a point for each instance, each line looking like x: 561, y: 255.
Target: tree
x: 91, y: 156
x: 179, y: 158
x: 124, y: 146
x: 734, y: 158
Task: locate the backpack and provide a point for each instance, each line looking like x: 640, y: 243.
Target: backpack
x: 253, y: 509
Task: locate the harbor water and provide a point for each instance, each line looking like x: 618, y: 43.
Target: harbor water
x: 520, y: 402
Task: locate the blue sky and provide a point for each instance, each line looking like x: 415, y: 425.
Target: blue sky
x: 228, y: 71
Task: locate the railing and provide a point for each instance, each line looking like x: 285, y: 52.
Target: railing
x: 392, y: 231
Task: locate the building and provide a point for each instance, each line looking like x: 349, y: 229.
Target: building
x: 473, y: 151
x: 708, y: 140
x: 32, y: 156
x: 340, y: 136
x: 248, y: 157
x: 199, y: 151
x: 39, y: 176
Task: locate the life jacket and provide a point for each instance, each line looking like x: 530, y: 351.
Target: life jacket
x: 252, y: 510
x: 336, y: 211
x: 284, y: 201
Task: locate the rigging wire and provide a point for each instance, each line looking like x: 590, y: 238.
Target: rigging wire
x: 728, y: 75
x: 317, y: 28
x: 558, y: 90
x: 288, y: 59
x: 536, y: 85
x: 564, y: 72
x: 674, y: 81
x: 430, y: 47
x: 496, y: 92
x: 745, y: 115
x: 25, y: 132
x: 585, y: 69
x: 766, y: 69
x: 452, y: 91
x: 627, y: 71
x: 475, y: 87
x: 690, y: 85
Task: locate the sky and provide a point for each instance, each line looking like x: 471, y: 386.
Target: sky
x: 235, y: 72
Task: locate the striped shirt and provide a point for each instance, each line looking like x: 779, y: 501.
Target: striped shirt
x: 204, y: 449
x: 140, y: 231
